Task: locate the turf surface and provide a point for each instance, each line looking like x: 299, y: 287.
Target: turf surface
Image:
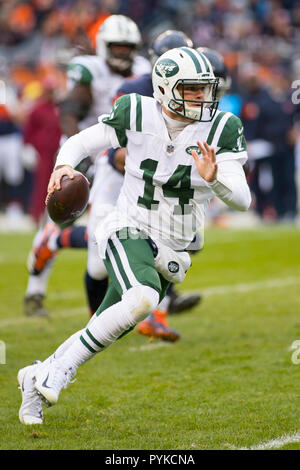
x: 228, y: 383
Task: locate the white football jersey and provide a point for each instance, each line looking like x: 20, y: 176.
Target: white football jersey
x: 163, y: 194
x: 94, y: 71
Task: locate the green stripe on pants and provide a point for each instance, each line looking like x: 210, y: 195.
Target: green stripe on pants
x: 119, y: 270
x: 141, y: 260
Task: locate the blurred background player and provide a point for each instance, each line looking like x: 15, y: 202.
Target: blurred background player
x: 270, y: 143
x: 92, y: 81
x: 221, y: 71
x: 11, y: 167
x: 41, y: 138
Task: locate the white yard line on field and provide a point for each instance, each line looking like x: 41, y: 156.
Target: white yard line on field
x: 251, y: 235
x: 66, y: 313
x: 249, y: 286
x: 66, y: 295
x: 149, y: 346
x: 274, y: 443
x: 209, y: 291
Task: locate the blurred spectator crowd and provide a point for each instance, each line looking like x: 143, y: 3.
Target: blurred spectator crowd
x: 259, y: 40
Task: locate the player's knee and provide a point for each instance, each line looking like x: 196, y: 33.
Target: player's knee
x: 141, y: 301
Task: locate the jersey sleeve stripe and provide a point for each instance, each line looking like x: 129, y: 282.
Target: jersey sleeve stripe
x: 132, y: 117
x: 219, y: 130
x: 138, y: 113
x: 135, y: 113
x: 79, y: 73
x: 214, y: 127
x: 127, y: 113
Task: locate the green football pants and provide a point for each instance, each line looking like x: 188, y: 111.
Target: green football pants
x: 129, y: 262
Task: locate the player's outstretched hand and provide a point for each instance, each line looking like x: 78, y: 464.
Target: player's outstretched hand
x: 206, y: 166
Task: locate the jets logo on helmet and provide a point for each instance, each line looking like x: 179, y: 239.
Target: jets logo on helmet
x: 175, y: 71
x: 166, y: 68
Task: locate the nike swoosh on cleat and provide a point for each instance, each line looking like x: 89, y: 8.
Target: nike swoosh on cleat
x: 44, y: 384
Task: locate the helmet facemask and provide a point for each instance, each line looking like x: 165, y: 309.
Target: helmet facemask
x: 197, y: 110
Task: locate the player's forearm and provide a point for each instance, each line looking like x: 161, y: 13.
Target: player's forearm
x: 87, y: 142
x: 75, y: 108
x: 231, y: 186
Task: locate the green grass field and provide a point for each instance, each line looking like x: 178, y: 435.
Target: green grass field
x: 228, y: 383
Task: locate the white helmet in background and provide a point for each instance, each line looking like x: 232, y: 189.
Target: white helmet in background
x: 118, y: 30
x: 185, y: 66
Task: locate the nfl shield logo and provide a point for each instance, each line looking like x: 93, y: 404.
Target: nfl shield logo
x: 170, y: 148
x: 173, y: 267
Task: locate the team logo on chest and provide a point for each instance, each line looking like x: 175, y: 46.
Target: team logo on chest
x: 193, y: 147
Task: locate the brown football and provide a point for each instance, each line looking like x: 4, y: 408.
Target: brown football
x: 68, y: 203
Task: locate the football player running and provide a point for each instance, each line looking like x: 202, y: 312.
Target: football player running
x: 93, y: 81
x: 106, y: 187
x: 181, y: 151
x: 156, y: 325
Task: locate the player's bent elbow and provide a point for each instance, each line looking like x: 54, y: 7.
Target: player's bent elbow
x: 248, y: 202
x: 245, y: 203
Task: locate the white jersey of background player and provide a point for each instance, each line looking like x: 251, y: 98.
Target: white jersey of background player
x: 94, y: 70
x: 93, y: 81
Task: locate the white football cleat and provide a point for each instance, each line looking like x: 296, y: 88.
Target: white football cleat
x: 31, y: 411
x: 51, y: 379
